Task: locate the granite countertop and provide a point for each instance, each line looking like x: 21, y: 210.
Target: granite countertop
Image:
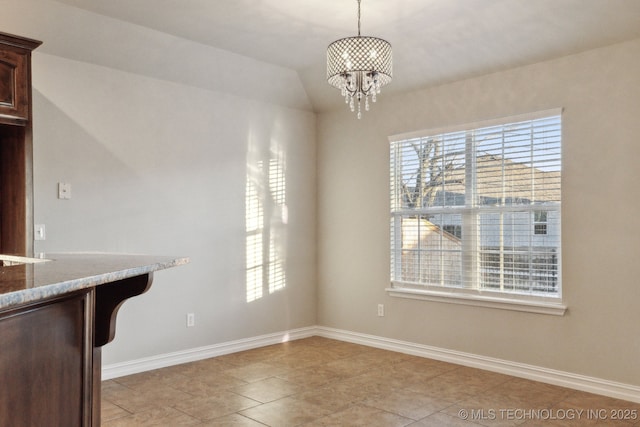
x: 53, y: 275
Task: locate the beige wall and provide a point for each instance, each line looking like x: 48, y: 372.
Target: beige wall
x: 156, y: 136
x: 161, y: 168
x: 598, y: 336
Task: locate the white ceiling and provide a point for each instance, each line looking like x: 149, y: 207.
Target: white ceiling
x: 434, y: 41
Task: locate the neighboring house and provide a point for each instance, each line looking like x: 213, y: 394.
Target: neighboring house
x: 421, y: 266
x: 506, y: 238
x: 540, y: 227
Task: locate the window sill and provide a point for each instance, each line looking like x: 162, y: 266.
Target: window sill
x: 516, y: 303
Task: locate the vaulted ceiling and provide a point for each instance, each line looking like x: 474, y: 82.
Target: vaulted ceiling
x: 434, y: 41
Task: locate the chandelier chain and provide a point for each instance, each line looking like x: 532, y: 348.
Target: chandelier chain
x: 358, y: 18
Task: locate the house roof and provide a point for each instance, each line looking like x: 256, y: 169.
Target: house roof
x: 517, y: 176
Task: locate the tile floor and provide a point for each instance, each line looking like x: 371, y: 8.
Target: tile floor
x: 322, y: 382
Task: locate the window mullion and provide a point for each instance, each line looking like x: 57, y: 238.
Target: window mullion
x: 503, y: 201
x: 470, y: 216
x: 533, y: 198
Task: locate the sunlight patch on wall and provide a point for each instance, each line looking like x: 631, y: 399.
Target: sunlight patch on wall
x: 266, y: 221
x: 254, y: 227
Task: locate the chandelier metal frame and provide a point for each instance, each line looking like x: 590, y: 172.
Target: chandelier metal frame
x: 359, y: 66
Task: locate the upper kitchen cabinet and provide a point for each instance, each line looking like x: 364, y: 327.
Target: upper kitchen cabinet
x: 15, y: 78
x: 16, y: 145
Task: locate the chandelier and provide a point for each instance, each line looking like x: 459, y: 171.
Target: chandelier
x: 359, y: 66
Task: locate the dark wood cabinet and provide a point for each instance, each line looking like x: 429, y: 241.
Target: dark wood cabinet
x: 16, y: 146
x: 14, y: 87
x: 46, y: 359
x: 51, y: 352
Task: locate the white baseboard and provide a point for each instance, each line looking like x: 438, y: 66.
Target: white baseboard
x: 550, y: 376
x: 560, y: 378
x: 176, y: 358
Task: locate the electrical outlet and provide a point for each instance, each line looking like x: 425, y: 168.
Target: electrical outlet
x: 191, y: 320
x: 380, y: 310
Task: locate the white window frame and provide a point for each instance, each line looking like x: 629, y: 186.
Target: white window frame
x: 470, y: 295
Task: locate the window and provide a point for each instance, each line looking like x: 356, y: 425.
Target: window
x: 455, y: 230
x: 540, y: 222
x: 476, y: 210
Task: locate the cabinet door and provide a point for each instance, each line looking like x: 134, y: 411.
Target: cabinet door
x: 44, y: 364
x: 14, y: 95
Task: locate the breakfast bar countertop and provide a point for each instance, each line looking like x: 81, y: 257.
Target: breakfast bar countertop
x: 28, y: 280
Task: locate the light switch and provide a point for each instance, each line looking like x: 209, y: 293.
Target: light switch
x: 64, y: 190
x: 40, y: 232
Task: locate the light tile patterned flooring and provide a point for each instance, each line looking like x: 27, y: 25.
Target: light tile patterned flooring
x: 322, y: 382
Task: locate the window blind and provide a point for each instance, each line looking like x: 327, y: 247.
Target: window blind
x: 478, y: 207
